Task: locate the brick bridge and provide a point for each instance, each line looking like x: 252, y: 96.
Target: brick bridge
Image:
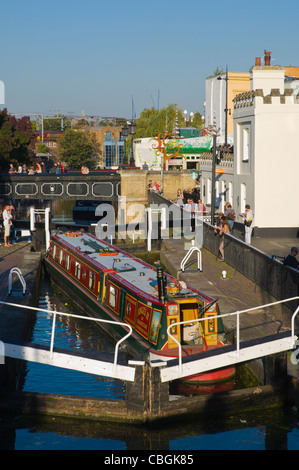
x: 97, y: 185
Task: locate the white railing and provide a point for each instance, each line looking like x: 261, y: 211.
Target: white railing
x: 55, y: 313
x: 37, y: 212
x: 189, y: 253
x: 237, y: 314
x: 21, y: 278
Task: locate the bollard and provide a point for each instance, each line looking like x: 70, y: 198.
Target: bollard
x: 147, y: 395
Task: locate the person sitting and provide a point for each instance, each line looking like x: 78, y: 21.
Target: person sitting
x: 291, y: 259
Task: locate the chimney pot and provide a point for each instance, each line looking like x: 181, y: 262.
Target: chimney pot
x: 267, y: 57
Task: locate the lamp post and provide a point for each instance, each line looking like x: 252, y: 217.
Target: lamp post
x: 225, y: 109
x: 161, y: 149
x: 191, y: 116
x: 125, y: 133
x: 212, y: 130
x: 132, y: 131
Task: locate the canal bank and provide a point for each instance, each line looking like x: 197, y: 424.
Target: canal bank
x: 143, y: 404
x: 16, y: 323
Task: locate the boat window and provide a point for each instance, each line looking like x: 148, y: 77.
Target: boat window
x: 67, y: 262
x: 77, y: 270
x: 91, y: 280
x: 60, y: 256
x: 112, y: 296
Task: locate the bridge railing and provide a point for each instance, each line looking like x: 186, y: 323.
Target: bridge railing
x: 237, y: 314
x: 55, y: 313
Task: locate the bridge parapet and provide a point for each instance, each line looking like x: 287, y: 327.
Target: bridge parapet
x: 66, y: 185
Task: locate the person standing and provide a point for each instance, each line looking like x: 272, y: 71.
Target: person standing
x: 7, y: 224
x: 248, y: 223
x: 180, y: 198
x: 230, y: 214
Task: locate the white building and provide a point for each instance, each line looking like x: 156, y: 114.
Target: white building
x: 265, y: 167
x: 266, y: 152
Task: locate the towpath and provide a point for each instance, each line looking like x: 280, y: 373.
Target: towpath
x: 235, y: 292
x: 13, y: 321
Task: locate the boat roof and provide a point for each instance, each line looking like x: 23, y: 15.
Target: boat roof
x: 131, y: 271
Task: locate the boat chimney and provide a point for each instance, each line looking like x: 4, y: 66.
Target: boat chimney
x: 160, y: 281
x: 267, y: 57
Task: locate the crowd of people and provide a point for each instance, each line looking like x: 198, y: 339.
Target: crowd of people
x: 41, y: 168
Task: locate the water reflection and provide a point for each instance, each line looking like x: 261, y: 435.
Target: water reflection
x: 74, y: 335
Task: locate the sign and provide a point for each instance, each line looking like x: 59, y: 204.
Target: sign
x: 143, y: 317
x: 194, y: 175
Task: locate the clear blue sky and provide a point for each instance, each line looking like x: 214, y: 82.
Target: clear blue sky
x: 95, y: 55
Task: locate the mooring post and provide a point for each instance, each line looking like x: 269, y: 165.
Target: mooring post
x: 276, y: 369
x: 147, y: 394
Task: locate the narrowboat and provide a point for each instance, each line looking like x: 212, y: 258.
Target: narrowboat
x: 108, y: 283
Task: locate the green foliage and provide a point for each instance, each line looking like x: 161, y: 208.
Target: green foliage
x: 151, y: 121
x: 42, y: 148
x: 16, y: 140
x: 78, y: 148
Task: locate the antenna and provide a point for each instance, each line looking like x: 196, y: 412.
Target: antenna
x: 158, y: 100
x: 153, y: 101
x: 133, y: 109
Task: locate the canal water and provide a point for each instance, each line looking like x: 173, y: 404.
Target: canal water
x: 275, y: 428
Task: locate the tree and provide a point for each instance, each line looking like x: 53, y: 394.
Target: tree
x: 16, y: 140
x: 78, y: 148
x: 152, y: 121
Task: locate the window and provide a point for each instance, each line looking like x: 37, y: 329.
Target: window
x: 245, y: 139
x: 77, y: 270
x: 60, y: 256
x: 54, y: 252
x: 112, y: 296
x: 120, y: 149
x: 107, y: 135
x: 91, y: 280
x: 109, y: 155
x: 67, y: 262
x: 230, y: 192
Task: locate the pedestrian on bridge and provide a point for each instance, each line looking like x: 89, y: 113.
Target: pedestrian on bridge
x: 291, y: 259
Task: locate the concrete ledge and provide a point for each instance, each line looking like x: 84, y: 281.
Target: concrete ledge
x: 219, y: 404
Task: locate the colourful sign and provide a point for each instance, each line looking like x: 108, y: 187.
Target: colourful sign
x: 143, y: 318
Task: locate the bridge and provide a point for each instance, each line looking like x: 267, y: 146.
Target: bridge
x: 97, y: 185
x: 241, y: 351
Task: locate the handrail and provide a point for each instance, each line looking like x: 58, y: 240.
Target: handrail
x: 21, y: 278
x: 237, y: 313
x: 189, y: 253
x: 55, y: 312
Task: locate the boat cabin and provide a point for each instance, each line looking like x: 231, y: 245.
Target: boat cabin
x: 122, y: 287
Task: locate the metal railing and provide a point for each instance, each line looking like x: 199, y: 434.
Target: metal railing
x: 237, y: 314
x: 188, y: 254
x: 55, y: 313
x: 21, y: 278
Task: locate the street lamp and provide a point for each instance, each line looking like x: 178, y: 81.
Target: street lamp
x: 125, y: 133
x: 225, y: 109
x: 212, y: 130
x: 132, y: 131
x: 191, y: 116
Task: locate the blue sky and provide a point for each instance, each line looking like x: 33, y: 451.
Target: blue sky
x: 95, y: 55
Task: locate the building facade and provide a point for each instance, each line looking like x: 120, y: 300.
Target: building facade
x: 111, y: 145
x: 266, y: 151
x: 263, y: 169
x: 217, y: 86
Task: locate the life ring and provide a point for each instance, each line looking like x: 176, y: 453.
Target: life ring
x: 107, y: 253
x: 73, y: 234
